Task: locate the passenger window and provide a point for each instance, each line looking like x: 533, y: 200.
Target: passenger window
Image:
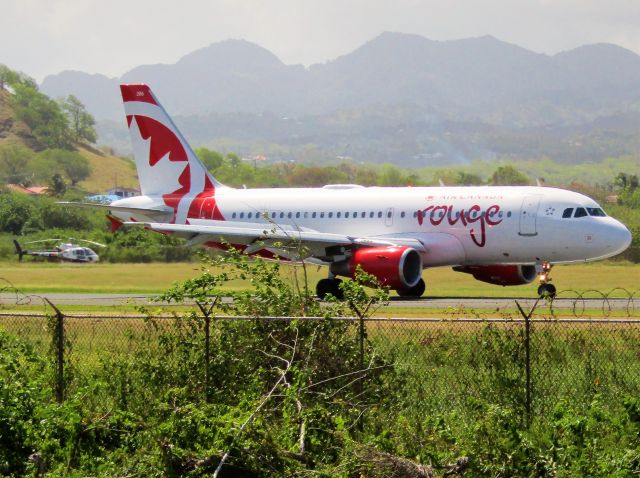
x: 580, y: 212
x: 379, y: 213
x: 371, y: 214
x: 281, y: 215
x: 330, y: 214
x: 567, y: 212
x: 241, y: 215
x: 289, y: 215
x: 321, y: 215
x: 249, y: 215
x: 388, y: 214
x: 273, y: 215
x: 306, y: 214
x: 233, y: 216
x: 297, y: 215
x: 509, y: 214
x: 363, y: 215
x: 338, y: 215
x: 313, y: 215
x: 402, y: 214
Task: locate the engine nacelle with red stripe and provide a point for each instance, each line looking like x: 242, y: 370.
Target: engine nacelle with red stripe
x: 397, y: 267
x: 501, y: 274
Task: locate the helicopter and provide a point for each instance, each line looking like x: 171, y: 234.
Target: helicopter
x: 62, y: 252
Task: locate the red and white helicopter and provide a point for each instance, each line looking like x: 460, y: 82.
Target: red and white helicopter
x: 500, y: 235
x: 62, y: 252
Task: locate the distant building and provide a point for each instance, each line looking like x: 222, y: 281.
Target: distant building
x: 33, y: 190
x: 612, y: 199
x: 123, y: 192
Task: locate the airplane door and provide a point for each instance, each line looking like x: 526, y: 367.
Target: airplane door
x: 388, y: 219
x: 528, y: 216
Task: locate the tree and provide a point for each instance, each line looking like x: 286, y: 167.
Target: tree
x: 47, y: 122
x: 80, y: 121
x: 72, y: 164
x: 14, y: 165
x: 57, y: 186
x: 508, y: 176
x: 7, y: 76
x: 234, y: 160
x: 210, y: 158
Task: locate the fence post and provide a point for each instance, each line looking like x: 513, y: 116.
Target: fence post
x: 207, y: 356
x: 527, y: 345
x: 58, y: 344
x: 362, y: 336
x: 527, y: 357
x: 206, y: 311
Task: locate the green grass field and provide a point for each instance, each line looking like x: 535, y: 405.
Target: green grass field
x: 31, y: 277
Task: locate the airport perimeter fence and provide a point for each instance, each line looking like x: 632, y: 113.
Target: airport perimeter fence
x: 448, y: 364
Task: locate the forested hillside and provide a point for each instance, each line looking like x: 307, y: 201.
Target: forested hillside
x: 51, y: 142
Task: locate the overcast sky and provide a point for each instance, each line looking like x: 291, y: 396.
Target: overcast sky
x: 42, y: 37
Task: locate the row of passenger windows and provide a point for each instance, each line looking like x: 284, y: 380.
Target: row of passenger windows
x: 312, y: 215
x: 583, y: 212
x: 355, y: 214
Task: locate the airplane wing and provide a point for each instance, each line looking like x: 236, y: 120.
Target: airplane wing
x: 257, y: 236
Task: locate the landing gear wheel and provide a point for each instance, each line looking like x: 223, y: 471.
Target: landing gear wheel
x: 329, y: 286
x: 415, y: 292
x: 547, y: 291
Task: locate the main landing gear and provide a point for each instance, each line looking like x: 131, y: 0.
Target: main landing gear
x: 546, y: 290
x: 329, y: 286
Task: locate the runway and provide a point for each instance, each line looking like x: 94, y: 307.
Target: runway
x: 575, y: 304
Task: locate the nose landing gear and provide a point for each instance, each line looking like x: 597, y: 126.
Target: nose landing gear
x: 546, y: 290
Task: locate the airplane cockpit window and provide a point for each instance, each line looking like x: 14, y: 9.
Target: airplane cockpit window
x: 580, y: 212
x: 596, y: 211
x: 567, y: 212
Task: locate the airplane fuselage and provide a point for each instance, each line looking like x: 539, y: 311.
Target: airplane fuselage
x: 457, y: 225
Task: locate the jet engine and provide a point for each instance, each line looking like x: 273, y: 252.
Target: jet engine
x: 398, y: 267
x: 501, y: 274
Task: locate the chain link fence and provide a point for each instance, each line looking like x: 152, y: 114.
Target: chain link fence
x: 445, y: 364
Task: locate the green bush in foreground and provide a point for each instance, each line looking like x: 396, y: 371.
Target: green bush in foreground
x: 300, y: 397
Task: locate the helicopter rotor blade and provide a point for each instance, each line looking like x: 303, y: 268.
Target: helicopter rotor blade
x: 92, y: 242
x: 42, y: 240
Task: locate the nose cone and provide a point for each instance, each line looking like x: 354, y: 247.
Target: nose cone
x: 618, y: 238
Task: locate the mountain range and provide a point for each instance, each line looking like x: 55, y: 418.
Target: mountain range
x: 399, y: 97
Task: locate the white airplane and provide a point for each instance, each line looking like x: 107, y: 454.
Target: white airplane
x: 500, y: 235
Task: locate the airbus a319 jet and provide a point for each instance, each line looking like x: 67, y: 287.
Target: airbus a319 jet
x: 500, y: 235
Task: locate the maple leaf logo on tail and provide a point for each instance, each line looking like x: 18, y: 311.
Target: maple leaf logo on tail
x: 167, y: 167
